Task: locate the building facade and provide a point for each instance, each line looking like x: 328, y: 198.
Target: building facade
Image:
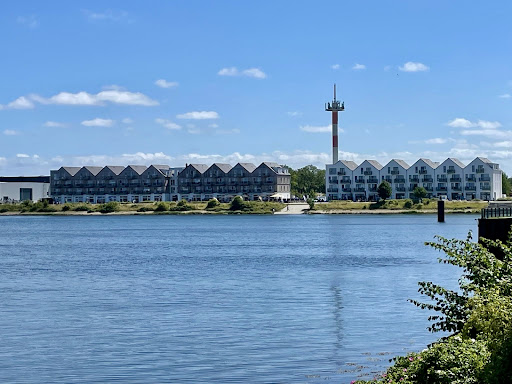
x: 480, y: 179
x: 23, y: 188
x: 195, y: 182
x: 199, y: 182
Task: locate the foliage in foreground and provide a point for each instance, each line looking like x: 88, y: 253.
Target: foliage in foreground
x: 479, y: 315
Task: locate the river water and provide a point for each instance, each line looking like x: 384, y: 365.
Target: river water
x: 214, y: 299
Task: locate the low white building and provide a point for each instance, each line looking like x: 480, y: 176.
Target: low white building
x: 22, y: 188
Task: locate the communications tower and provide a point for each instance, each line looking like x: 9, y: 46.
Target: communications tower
x: 335, y: 106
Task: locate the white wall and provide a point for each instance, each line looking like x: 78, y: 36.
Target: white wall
x: 11, y: 190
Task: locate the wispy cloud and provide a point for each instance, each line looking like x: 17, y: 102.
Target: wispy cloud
x: 127, y: 120
x: 100, y: 98
x: 358, y: 67
x: 316, y: 129
x: 166, y: 84
x: 491, y: 133
x: 233, y: 131
x: 54, y: 124
x: 251, y: 72
x: 411, y: 66
x: 436, y: 140
x: 460, y: 122
x: 168, y: 124
x: 22, y: 156
x: 294, y: 113
x: 98, y: 122
x: 107, y: 15
x: 10, y: 132
x: 20, y: 103
x: 28, y: 21
x: 505, y: 96
x: 199, y: 115
x: 335, y: 66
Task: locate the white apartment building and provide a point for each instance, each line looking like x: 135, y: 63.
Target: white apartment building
x: 480, y: 179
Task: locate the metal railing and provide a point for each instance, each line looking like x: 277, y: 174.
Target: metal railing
x: 496, y: 212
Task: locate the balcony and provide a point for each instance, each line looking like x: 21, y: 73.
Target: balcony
x: 342, y: 173
x: 333, y: 181
x: 360, y: 180
x: 427, y: 179
x: 367, y: 173
x: 359, y: 189
x: 471, y: 179
x: 346, y: 189
x: 373, y: 180
x: 395, y: 172
x: 457, y: 188
x: 484, y: 178
x: 441, y: 189
x: 442, y: 179
x: 479, y: 170
x: 422, y: 171
x: 332, y: 190
x: 345, y: 181
x: 455, y: 179
x: 485, y: 188
x: 373, y: 189
x: 400, y: 189
x: 414, y: 180
x: 401, y: 180
x: 429, y: 189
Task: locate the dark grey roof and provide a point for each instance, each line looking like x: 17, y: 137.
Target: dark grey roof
x: 161, y: 167
x: 349, y: 164
x: 402, y: 163
x: 456, y: 161
x: 485, y: 160
x: 138, y: 168
x: 270, y: 164
x: 201, y: 168
x: 24, y: 179
x: 249, y: 167
x: 116, y: 169
x: 93, y: 170
x: 72, y: 170
x: 223, y: 167
x: 430, y: 163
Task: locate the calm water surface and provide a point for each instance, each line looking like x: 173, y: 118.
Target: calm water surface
x: 214, y: 299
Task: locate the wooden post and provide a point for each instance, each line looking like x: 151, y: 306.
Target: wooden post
x: 440, y: 211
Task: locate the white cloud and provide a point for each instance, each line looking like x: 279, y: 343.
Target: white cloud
x: 335, y: 66
x: 213, y: 125
x: 29, y: 21
x: 108, y: 15
x: 411, y: 66
x: 108, y: 96
x: 127, y: 120
x: 505, y: 96
x: 168, y: 124
x: 22, y: 155
x: 460, y: 122
x: 10, y: 132
x: 20, y: 103
x: 166, y: 84
x: 98, y: 123
x: 199, y: 115
x: 294, y: 113
x: 492, y: 133
x: 194, y: 131
x: 316, y: 129
x: 233, y: 131
x: 502, y: 144
x: 250, y: 72
x: 358, y: 67
x: 54, y: 124
x: 436, y: 140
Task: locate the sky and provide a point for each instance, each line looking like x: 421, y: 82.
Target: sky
x: 176, y: 82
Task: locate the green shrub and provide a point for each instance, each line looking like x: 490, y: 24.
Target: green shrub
x: 66, y: 208
x: 182, y: 205
x: 146, y: 209
x: 311, y: 203
x: 110, y: 207
x: 237, y: 204
x: 212, y: 204
x: 408, y: 204
x: 3, y: 210
x: 81, y: 207
x: 161, y: 207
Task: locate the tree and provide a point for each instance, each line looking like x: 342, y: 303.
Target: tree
x: 237, y: 204
x: 384, y: 190
x: 307, y: 180
x: 505, y: 184
x: 419, y: 193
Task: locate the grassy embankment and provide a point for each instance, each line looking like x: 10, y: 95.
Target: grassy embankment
x: 248, y: 207
x: 427, y: 205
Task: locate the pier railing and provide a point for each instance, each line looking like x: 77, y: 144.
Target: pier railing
x: 496, y: 212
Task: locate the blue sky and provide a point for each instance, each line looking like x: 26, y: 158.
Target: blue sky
x: 174, y: 82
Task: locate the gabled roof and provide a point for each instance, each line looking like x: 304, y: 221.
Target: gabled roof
x: 456, y: 161
x: 430, y: 163
x: 116, y: 169
x: 93, y: 170
x: 222, y: 166
x: 161, y: 167
x: 201, y: 168
x: 71, y: 170
x: 349, y: 164
x: 139, y: 169
x: 270, y: 164
x: 485, y: 160
x: 402, y: 163
x: 374, y: 163
x: 249, y: 167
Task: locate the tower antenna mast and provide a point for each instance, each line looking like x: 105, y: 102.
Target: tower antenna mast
x: 335, y: 106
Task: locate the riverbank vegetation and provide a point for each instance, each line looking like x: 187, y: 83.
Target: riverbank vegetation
x: 424, y: 205
x: 163, y: 207
x: 478, y: 315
